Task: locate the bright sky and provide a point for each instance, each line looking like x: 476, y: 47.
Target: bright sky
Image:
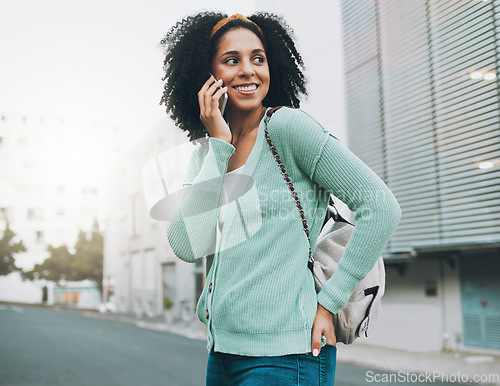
x: 96, y: 59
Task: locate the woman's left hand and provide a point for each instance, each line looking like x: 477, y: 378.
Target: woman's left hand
x: 323, y: 325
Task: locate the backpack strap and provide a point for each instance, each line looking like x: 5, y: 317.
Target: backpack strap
x: 289, y: 182
x: 271, y: 111
x: 331, y: 212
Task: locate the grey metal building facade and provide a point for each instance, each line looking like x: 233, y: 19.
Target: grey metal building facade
x: 423, y: 98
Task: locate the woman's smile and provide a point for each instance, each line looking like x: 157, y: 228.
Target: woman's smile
x: 246, y: 89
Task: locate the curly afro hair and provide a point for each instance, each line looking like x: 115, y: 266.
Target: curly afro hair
x: 188, y: 54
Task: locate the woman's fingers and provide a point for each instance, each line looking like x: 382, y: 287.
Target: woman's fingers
x: 331, y: 338
x: 203, y: 92
x: 322, y: 326
x: 208, y: 99
x: 212, y: 96
x: 216, y: 98
x: 316, y: 340
x: 208, y: 96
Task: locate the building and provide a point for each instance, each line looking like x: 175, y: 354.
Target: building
x: 142, y: 274
x: 422, y: 97
x: 51, y: 186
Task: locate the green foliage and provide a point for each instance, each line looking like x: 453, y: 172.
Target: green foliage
x: 167, y: 303
x: 57, y: 267
x: 85, y: 264
x: 7, y: 251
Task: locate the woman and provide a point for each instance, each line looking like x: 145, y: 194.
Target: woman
x: 265, y: 323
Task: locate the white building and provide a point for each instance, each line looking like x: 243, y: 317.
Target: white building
x: 140, y: 268
x: 52, y: 173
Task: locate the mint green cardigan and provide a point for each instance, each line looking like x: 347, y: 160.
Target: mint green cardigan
x: 259, y: 297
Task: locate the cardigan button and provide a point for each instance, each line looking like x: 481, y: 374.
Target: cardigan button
x: 207, y: 314
x: 210, y: 288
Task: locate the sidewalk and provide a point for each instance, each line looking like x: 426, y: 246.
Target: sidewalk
x: 191, y: 329
x: 412, y: 367
x: 454, y: 367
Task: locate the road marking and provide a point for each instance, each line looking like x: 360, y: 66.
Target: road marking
x: 17, y: 309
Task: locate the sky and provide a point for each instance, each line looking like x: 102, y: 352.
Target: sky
x: 97, y: 60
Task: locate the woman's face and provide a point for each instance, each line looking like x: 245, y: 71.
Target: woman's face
x: 241, y: 63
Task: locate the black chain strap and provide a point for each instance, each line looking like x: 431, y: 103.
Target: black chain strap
x: 289, y: 182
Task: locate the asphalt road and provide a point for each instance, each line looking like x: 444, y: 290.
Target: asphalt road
x: 45, y: 346
x: 50, y: 347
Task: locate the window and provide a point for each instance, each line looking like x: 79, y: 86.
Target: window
x: 39, y: 237
x: 89, y: 190
x: 136, y: 218
x: 430, y: 288
x: 34, y: 214
x: 4, y: 212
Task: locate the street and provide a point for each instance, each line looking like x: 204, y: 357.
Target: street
x: 49, y: 346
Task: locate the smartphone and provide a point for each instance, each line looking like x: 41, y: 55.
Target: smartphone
x: 222, y: 100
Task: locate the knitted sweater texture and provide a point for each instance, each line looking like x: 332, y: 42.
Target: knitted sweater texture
x: 259, y: 297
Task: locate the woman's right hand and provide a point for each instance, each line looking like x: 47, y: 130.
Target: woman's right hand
x: 210, y: 115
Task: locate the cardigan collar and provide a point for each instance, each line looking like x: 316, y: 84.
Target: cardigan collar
x: 248, y: 169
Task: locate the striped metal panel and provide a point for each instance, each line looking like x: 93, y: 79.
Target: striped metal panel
x: 467, y: 119
x: 408, y: 112
x: 416, y: 116
x: 362, y: 82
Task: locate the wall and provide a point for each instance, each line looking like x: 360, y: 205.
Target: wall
x: 409, y: 319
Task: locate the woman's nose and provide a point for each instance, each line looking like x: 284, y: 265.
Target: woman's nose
x: 247, y: 69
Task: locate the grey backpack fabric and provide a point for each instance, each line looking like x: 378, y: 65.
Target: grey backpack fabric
x: 357, y: 316
x: 360, y: 311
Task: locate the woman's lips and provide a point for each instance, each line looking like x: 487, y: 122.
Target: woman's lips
x: 246, y: 89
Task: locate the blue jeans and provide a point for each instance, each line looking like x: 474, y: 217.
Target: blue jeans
x: 295, y: 369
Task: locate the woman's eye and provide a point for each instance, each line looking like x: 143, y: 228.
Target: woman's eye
x: 259, y: 59
x: 231, y: 61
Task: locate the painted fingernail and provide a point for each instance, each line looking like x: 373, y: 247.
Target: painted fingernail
x: 315, y: 352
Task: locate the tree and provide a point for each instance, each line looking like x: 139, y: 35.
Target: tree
x: 88, y: 259
x: 7, y: 251
x: 55, y: 268
x: 85, y: 264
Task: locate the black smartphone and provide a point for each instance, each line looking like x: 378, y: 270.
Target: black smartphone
x: 222, y: 100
